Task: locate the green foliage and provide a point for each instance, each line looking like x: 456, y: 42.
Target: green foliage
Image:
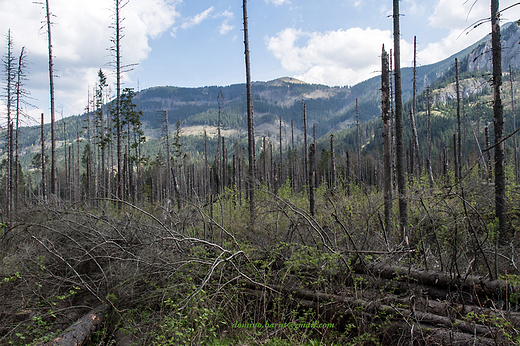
x: 192, y: 323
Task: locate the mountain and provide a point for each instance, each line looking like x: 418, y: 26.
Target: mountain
x: 330, y: 109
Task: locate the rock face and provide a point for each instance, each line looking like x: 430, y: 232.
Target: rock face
x: 480, y: 58
x: 468, y: 87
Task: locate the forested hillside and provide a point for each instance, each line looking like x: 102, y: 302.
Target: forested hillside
x: 150, y: 237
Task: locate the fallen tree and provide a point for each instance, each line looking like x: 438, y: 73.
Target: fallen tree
x: 80, y: 332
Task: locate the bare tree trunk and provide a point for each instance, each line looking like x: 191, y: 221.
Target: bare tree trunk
x: 168, y: 157
x: 280, y: 170
x: 385, y: 90
x: 44, y: 187
x: 219, y: 141
x: 417, y: 155
x: 117, y: 42
x: 392, y: 123
x: 358, y: 145
x: 347, y: 173
x: 458, y: 157
x: 316, y: 178
x: 429, y: 139
x: 488, y: 154
x: 400, y: 167
x: 293, y: 164
x: 89, y: 155
x: 332, y: 164
x: 206, y: 169
x: 312, y: 173
x: 19, y: 78
x: 500, y: 181
x: 250, y: 123
x: 515, y: 144
x: 66, y: 183
x: 305, y: 156
x: 51, y: 85
x: 10, y: 75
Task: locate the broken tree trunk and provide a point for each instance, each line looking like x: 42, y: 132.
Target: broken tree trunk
x: 79, y: 333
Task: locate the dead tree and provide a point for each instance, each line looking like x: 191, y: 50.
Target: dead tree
x: 385, y: 91
x: 10, y: 75
x: 399, y: 150
x: 44, y: 186
x: 305, y: 156
x: 416, y: 153
x: 54, y: 179
x: 332, y: 164
x: 515, y: 144
x: 429, y: 139
x: 458, y: 157
x: 358, y: 145
x: 219, y: 146
x: 116, y: 40
x: 500, y: 179
x: 250, y: 123
x: 20, y: 92
x: 280, y: 170
x: 312, y: 173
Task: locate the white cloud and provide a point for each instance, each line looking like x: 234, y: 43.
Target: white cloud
x: 190, y: 22
x: 342, y: 57
x: 225, y: 27
x: 460, y: 17
x: 278, y: 2
x: 81, y: 41
x: 197, y: 19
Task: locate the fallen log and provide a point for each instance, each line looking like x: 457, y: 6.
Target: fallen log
x: 473, y: 284
x: 373, y: 308
x: 79, y: 333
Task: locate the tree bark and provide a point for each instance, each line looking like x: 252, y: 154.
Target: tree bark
x: 332, y: 164
x: 51, y: 88
x: 44, y: 187
x: 250, y: 123
x: 312, y: 173
x: 500, y: 181
x: 385, y: 91
x: 10, y: 75
x: 80, y: 332
x: 417, y: 157
x: 399, y: 150
x: 429, y: 137
x: 458, y: 172
x: 358, y: 145
x: 117, y: 42
x: 515, y: 150
x: 305, y: 156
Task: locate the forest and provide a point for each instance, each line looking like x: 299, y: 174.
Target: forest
x: 399, y: 229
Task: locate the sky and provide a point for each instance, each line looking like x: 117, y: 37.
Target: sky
x: 195, y: 43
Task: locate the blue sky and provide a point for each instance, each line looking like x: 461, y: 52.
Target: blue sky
x: 197, y: 43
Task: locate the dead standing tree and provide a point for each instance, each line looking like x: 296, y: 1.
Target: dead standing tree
x: 10, y: 75
x: 385, y: 91
x: 399, y: 149
x: 416, y: 165
x: 250, y: 123
x: 500, y: 180
x: 116, y: 49
x: 54, y: 179
x: 458, y: 157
